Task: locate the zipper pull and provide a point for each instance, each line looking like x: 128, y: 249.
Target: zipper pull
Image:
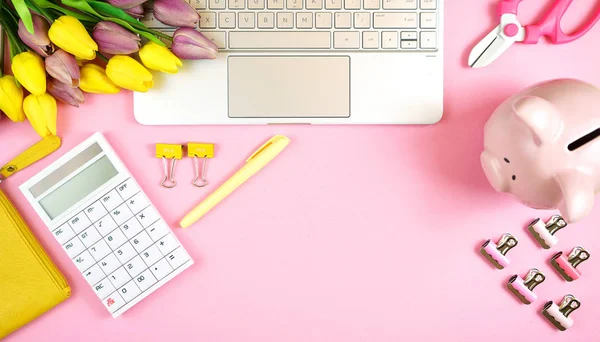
x: 36, y: 152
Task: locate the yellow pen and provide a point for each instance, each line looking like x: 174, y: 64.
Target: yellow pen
x: 255, y: 163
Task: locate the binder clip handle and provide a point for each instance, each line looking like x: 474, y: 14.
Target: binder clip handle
x: 199, y: 175
x: 173, y: 152
x: 200, y: 150
x: 169, y: 180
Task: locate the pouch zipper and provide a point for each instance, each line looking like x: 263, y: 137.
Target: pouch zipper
x: 53, y: 272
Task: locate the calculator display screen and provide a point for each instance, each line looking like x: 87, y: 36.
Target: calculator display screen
x: 78, y: 187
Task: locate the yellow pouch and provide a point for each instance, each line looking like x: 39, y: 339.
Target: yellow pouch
x: 30, y: 283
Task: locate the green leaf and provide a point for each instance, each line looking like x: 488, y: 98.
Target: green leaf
x: 39, y: 10
x: 80, y: 16
x: 109, y: 10
x: 24, y: 13
x: 120, y: 17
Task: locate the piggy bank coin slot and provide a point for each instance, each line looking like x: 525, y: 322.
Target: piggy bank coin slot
x: 586, y: 139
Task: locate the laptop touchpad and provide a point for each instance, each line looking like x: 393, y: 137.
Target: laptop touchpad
x: 288, y: 86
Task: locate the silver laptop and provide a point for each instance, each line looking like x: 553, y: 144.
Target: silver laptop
x: 306, y: 62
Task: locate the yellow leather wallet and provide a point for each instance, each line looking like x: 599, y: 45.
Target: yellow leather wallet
x: 30, y: 283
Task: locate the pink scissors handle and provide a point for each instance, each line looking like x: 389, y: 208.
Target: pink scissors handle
x: 550, y: 25
x: 508, y: 6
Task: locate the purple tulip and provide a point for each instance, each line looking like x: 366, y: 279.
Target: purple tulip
x: 114, y: 39
x: 63, y: 67
x: 65, y: 93
x: 175, y: 13
x: 126, y: 4
x: 136, y: 12
x: 38, y: 41
x: 191, y: 44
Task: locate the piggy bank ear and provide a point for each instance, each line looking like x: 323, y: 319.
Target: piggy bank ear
x: 540, y: 116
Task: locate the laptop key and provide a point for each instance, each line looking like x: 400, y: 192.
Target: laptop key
x: 285, y: 20
x: 400, y: 4
x: 216, y: 4
x: 246, y: 20
x: 275, y: 4
x: 395, y: 20
x: 217, y: 37
x: 346, y: 40
x: 343, y: 20
x: 371, y: 4
x: 362, y: 20
x: 370, y: 40
x: 208, y: 20
x: 323, y: 20
x: 333, y: 4
x: 279, y: 40
x: 237, y: 4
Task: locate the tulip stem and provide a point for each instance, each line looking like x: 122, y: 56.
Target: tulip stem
x: 104, y: 58
x: 10, y: 27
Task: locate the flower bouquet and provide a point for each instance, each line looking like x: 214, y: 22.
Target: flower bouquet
x: 61, y: 49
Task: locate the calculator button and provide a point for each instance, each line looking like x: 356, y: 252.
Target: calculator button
x: 74, y: 247
x: 119, y: 277
x: 103, y: 289
x: 137, y: 203
x: 99, y: 250
x: 135, y: 266
x: 109, y: 264
x: 93, y: 274
x: 129, y: 291
x: 177, y: 258
x: 145, y: 280
x: 151, y: 255
x: 167, y: 244
x: 158, y: 230
x: 132, y: 228
x: 127, y: 189
x: 161, y: 269
x: 111, y: 200
x: 147, y: 217
x: 84, y: 261
x: 115, y: 239
x: 113, y: 302
x: 95, y: 211
x: 141, y: 241
x: 79, y: 222
x: 121, y: 214
x: 125, y: 252
x: 63, y: 233
x: 105, y: 225
x: 90, y: 236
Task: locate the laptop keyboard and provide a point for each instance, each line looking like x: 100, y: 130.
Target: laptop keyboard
x: 367, y: 25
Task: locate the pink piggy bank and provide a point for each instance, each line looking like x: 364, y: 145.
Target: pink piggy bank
x: 543, y: 146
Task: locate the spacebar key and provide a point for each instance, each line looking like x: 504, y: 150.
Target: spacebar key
x: 279, y: 40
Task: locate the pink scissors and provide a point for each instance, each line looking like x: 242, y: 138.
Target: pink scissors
x: 510, y: 31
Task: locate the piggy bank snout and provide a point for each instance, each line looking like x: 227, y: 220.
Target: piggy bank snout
x: 493, y: 171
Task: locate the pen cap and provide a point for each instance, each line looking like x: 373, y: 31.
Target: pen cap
x: 266, y: 153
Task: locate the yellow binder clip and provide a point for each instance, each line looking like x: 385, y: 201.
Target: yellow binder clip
x: 200, y: 150
x: 173, y: 152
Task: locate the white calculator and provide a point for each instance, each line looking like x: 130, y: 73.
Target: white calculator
x: 96, y: 210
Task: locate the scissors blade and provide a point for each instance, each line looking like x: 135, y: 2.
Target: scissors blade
x: 489, y: 48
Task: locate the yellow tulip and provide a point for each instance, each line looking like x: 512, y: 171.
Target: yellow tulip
x: 11, y: 99
x: 93, y: 79
x: 41, y: 113
x: 128, y: 73
x: 28, y: 69
x: 69, y: 34
x: 159, y: 58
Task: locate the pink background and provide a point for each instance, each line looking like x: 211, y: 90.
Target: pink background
x: 353, y: 233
